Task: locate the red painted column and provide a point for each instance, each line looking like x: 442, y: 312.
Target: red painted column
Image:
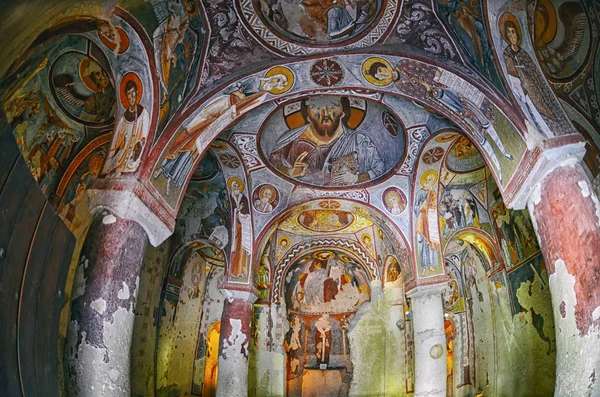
x: 102, y: 311
x: 234, y: 344
x: 566, y: 213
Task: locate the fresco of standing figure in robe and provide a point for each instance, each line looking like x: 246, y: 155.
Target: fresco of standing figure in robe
x: 428, y: 236
x: 323, y: 340
x: 241, y: 230
x: 528, y: 84
x: 131, y: 132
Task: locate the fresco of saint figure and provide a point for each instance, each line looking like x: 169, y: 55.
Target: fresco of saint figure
x: 323, y: 340
x: 241, y: 229
x: 131, y: 132
x: 177, y: 50
x: 182, y: 152
x: 527, y: 82
x: 464, y: 19
x: 394, y: 200
x: 293, y: 346
x: 326, y: 150
x: 75, y: 211
x: 428, y: 236
x: 265, y: 198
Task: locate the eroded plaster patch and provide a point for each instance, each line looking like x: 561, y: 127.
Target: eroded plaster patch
x: 585, y: 189
x: 102, y: 371
x: 108, y: 219
x: 79, y: 281
x: 124, y: 292
x: 99, y: 305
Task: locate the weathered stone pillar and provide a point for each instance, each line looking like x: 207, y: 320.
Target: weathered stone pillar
x: 429, y: 339
x: 102, y: 311
x: 566, y: 214
x: 234, y: 346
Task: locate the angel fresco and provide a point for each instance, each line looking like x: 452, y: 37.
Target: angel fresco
x: 238, y: 99
x: 464, y: 18
x: 560, y: 55
x: 379, y: 72
x: 88, y: 96
x: 527, y: 82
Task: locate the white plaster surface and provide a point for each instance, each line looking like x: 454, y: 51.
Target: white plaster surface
x: 103, y: 372
x: 428, y: 325
x: 577, y: 357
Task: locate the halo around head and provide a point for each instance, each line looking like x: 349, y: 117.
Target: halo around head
x: 285, y: 72
x: 86, y: 68
x: 426, y: 174
x: 138, y: 83
x: 366, y: 66
x: 235, y: 179
x: 267, y: 187
x: 503, y: 20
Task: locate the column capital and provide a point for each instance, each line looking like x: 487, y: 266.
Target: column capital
x: 547, y: 161
x: 127, y: 204
x: 231, y: 294
x: 426, y: 291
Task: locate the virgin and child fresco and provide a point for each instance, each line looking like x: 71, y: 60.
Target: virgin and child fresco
x: 318, y: 21
x: 332, y: 141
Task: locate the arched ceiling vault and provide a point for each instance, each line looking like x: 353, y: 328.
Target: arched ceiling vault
x: 205, y: 80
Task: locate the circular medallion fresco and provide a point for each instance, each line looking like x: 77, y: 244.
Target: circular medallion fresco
x: 561, y: 37
x: 299, y: 27
x: 332, y: 141
x: 83, y: 88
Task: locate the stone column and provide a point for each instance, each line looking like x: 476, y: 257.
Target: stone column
x: 566, y: 215
x: 102, y: 312
x: 234, y: 346
x: 429, y: 340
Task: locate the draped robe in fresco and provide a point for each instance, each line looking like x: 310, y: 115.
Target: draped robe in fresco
x: 131, y: 130
x: 528, y: 83
x: 320, y: 157
x: 240, y: 257
x: 428, y: 237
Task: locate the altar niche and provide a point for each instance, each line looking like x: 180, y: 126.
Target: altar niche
x: 324, y: 290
